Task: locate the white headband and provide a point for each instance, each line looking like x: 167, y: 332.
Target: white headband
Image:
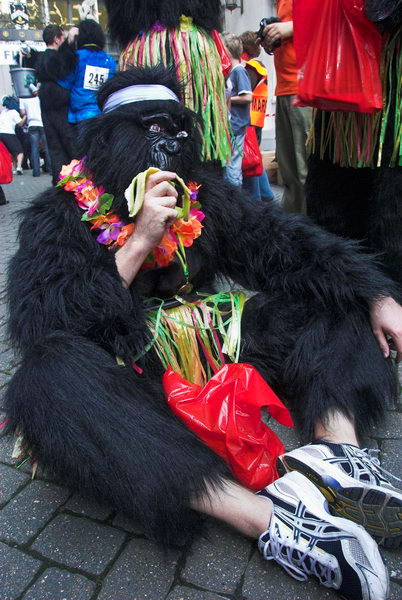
x: 138, y: 93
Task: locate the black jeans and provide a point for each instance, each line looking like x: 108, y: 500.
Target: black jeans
x: 58, y: 137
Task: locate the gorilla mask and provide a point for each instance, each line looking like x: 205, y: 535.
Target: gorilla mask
x: 143, y: 124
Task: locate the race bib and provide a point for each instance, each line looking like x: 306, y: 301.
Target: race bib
x: 94, y: 77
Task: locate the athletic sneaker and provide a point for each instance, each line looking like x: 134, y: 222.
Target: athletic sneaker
x: 354, y: 484
x: 305, y: 539
x: 19, y: 171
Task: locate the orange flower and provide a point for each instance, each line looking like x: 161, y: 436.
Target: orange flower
x: 72, y: 185
x: 107, y: 218
x: 87, y: 195
x: 187, y: 230
x: 165, y: 252
x: 66, y: 170
x: 124, y: 234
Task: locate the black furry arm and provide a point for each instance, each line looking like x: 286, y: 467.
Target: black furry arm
x: 62, y: 279
x: 257, y: 245
x: 56, y: 64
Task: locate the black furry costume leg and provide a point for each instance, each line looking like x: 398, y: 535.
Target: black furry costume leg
x: 361, y: 204
x: 318, y: 362
x: 106, y: 430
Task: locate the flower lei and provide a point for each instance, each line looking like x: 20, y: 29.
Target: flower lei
x: 113, y: 232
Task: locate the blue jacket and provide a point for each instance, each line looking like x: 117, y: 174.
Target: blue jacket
x: 92, y: 69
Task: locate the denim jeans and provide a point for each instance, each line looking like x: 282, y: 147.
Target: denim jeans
x: 233, y: 172
x: 258, y: 187
x: 37, y: 135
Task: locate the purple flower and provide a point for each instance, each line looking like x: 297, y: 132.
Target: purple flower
x: 158, y: 26
x: 110, y: 232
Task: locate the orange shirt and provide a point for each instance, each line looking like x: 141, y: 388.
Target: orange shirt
x: 285, y: 56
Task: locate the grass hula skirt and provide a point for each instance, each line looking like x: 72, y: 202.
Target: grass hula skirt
x: 198, y: 64
x: 357, y: 140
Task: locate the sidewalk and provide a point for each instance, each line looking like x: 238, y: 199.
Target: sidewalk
x: 55, y: 545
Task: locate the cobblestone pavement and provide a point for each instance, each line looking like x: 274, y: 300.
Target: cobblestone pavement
x: 55, y: 545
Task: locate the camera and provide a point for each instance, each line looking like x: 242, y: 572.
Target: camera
x: 260, y: 32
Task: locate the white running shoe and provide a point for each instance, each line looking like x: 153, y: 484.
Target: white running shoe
x: 354, y: 484
x: 305, y: 539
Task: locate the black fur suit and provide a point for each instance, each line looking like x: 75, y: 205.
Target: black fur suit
x: 106, y: 430
x: 365, y: 203
x: 127, y: 18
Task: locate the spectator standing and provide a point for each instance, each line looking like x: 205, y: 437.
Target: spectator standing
x: 240, y: 100
x: 9, y: 119
x: 292, y: 123
x: 258, y: 187
x: 93, y: 68
x: 51, y: 65
x: 30, y: 107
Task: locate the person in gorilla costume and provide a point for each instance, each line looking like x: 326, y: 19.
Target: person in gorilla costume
x: 105, y: 429
x: 354, y: 193
x: 183, y: 33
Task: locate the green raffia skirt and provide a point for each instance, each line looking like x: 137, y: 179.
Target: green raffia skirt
x: 356, y: 140
x: 198, y: 65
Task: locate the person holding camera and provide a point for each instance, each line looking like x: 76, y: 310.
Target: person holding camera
x: 292, y: 123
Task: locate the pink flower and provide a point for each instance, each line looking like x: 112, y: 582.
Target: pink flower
x: 198, y: 214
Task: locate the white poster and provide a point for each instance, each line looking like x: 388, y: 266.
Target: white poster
x: 9, y: 51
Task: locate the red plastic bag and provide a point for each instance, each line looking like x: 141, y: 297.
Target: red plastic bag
x: 252, y: 160
x: 6, y: 167
x: 225, y: 60
x: 225, y: 414
x: 338, y: 56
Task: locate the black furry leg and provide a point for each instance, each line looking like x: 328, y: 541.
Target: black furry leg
x: 385, y: 222
x: 359, y: 204
x: 338, y: 198
x: 318, y: 362
x: 107, y: 432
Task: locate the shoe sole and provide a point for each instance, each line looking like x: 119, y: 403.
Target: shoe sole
x: 377, y: 511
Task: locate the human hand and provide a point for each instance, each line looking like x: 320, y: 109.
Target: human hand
x: 274, y: 33
x: 386, y: 320
x: 158, y: 211
x: 72, y: 34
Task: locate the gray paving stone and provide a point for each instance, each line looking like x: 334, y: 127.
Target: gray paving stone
x: 7, y: 360
x: 5, y: 376
x: 142, y: 572
x: 87, y: 508
x: 287, y: 435
x: 391, y: 428
x: 217, y: 561
x: 391, y: 459
x: 10, y: 481
x: 267, y: 581
x: 128, y: 524
x: 186, y: 593
x: 2, y: 392
x: 393, y: 560
x: 396, y: 591
x: 26, y: 514
x: 55, y: 584
x: 6, y: 449
x: 17, y: 570
x: 79, y: 543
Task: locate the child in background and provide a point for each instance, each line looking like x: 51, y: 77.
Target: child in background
x: 240, y: 97
x: 258, y: 187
